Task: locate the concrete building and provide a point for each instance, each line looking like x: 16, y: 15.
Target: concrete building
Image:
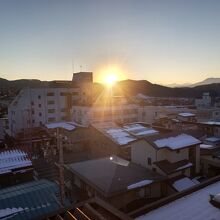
x: 205, y: 101
x: 3, y: 128
x: 35, y: 107
x: 150, y: 114
x: 86, y: 115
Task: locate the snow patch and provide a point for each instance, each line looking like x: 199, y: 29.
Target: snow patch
x: 140, y: 184
x: 177, y: 142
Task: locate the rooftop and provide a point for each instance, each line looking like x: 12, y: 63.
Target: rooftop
x: 194, y: 206
x: 32, y: 200
x: 173, y: 140
x: 183, y: 184
x: 117, y: 134
x: 13, y: 160
x: 169, y: 168
x: 139, y: 129
x: 70, y: 126
x: 117, y: 175
x: 186, y: 114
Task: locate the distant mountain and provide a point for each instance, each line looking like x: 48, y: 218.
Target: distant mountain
x: 133, y: 87
x: 126, y: 87
x: 176, y: 85
x: 206, y: 82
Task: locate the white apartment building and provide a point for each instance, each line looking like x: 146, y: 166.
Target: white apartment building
x: 86, y: 115
x: 38, y: 106
x: 205, y: 101
x: 149, y: 114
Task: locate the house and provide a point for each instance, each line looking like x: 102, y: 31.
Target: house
x: 75, y: 137
x: 15, y: 167
x: 170, y: 154
x: 108, y: 138
x: 32, y: 200
x: 212, y: 128
x: 115, y: 180
x: 186, y: 117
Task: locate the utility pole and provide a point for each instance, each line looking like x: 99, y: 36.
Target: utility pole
x: 60, y: 166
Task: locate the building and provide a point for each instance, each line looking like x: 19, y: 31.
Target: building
x: 32, y: 200
x: 208, y: 114
x: 121, y: 113
x: 186, y: 117
x: 212, y: 128
x: 151, y: 114
x: 38, y: 106
x: 75, y: 137
x: 34, y: 107
x: 205, y: 101
x: 115, y: 180
x: 108, y: 138
x: 170, y: 154
x: 84, y: 80
x: 3, y: 128
x: 15, y: 167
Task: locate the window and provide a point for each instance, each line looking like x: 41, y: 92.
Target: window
x: 51, y: 110
x: 178, y: 151
x: 50, y: 94
x: 33, y: 121
x: 40, y: 114
x: 51, y: 119
x: 149, y: 161
x: 50, y: 102
x: 63, y: 94
x: 39, y: 105
x: 154, y: 169
x: 39, y: 97
x: 75, y: 93
x: 32, y: 111
x: 32, y: 103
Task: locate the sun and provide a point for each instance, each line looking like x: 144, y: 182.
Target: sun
x: 110, y: 79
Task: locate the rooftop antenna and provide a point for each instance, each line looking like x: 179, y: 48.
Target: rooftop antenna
x: 72, y: 65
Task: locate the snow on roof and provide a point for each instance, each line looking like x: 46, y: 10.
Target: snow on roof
x: 140, y: 184
x: 212, y: 139
x: 139, y: 130
x: 178, y: 142
x: 186, y: 114
x: 13, y: 159
x: 206, y: 146
x: 185, y: 166
x: 120, y: 136
x: 9, y: 211
x: 65, y: 125
x: 195, y: 206
x: 211, y: 122
x: 183, y: 184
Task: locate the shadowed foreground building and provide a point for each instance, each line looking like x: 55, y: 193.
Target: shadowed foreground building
x: 115, y: 180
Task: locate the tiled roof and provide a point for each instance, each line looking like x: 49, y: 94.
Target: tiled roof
x: 113, y: 175
x: 169, y: 168
x: 12, y: 160
x: 32, y: 200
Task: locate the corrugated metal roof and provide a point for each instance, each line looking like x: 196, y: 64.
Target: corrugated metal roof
x: 30, y: 200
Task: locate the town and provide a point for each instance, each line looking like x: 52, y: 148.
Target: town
x: 69, y: 152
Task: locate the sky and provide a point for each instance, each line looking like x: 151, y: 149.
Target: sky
x: 162, y: 41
